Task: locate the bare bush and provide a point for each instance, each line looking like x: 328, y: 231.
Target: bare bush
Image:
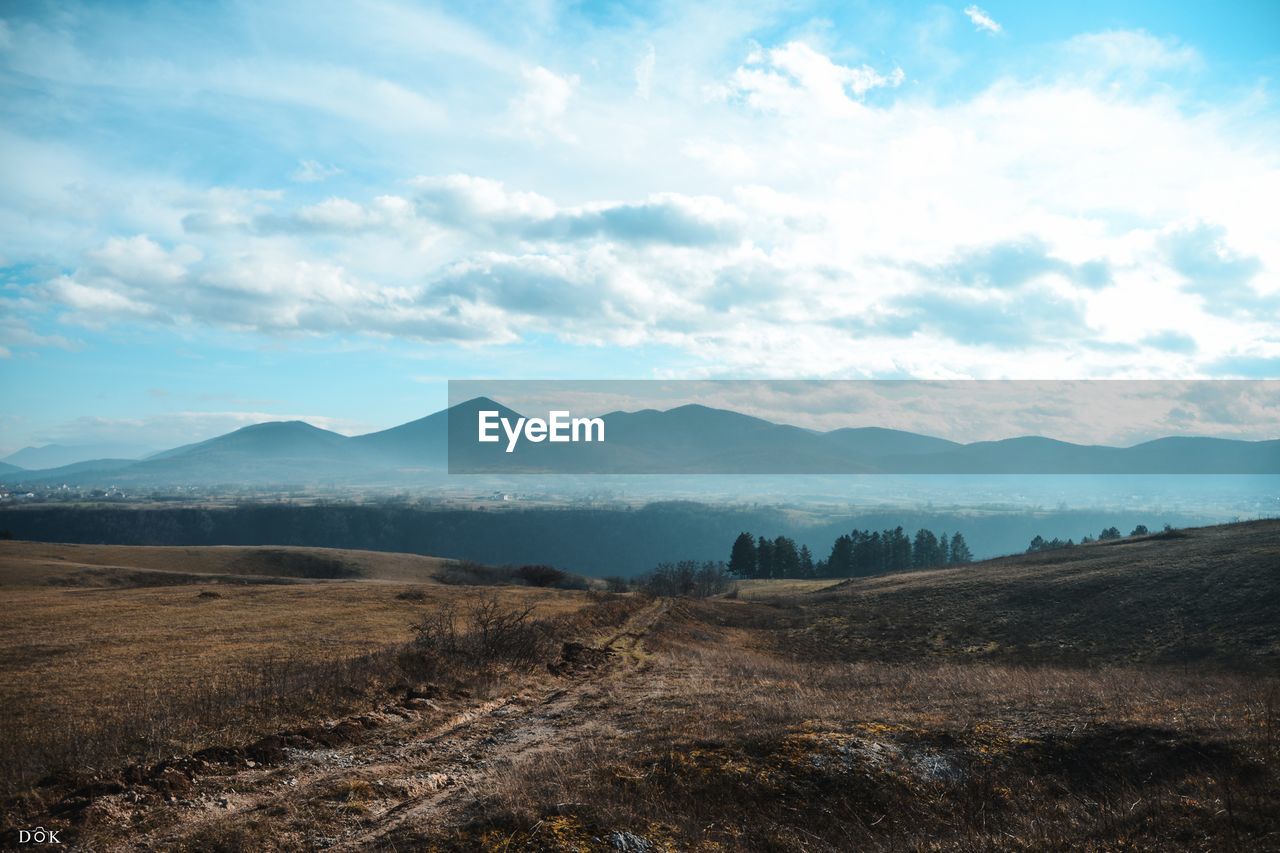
x: 687, y: 578
x: 489, y: 633
x: 468, y: 573
x: 541, y: 575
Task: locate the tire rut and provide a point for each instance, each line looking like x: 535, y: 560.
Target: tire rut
x: 547, y: 723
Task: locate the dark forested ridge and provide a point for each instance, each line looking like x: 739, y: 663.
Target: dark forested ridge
x: 600, y: 542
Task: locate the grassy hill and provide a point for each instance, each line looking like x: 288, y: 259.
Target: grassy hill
x: 1207, y: 594
x: 95, y: 565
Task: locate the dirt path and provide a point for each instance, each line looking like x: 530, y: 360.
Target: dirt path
x: 413, y: 773
x: 462, y: 758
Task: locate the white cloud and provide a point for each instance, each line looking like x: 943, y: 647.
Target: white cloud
x: 809, y: 220
x: 540, y: 109
x: 1130, y: 50
x: 982, y: 21
x: 795, y: 77
x: 313, y: 171
x: 644, y: 73
x: 16, y: 332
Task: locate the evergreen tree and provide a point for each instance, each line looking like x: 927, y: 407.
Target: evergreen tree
x: 944, y: 549
x: 925, y: 550
x: 742, y: 559
x: 899, y: 551
x: 1109, y: 533
x: 1140, y: 530
x: 960, y: 552
x: 840, y: 563
x: 877, y: 554
x: 806, y: 562
x: 786, y: 559
x: 764, y: 558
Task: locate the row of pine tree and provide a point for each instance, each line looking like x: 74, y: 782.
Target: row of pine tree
x: 861, y: 552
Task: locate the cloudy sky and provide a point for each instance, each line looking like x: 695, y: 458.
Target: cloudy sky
x: 212, y: 215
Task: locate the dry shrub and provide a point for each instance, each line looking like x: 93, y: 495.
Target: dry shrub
x: 490, y: 634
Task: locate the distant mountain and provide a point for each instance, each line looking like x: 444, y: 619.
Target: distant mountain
x: 878, y: 442
x: 57, y: 455
x: 690, y: 439
x: 273, y: 438
x: 275, y: 452
x: 6, y: 468
x: 424, y: 443
x: 76, y: 470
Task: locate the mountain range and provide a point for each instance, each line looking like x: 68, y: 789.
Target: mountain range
x: 691, y: 439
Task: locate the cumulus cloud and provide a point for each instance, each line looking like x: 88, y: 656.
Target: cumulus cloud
x: 266, y: 292
x: 1031, y: 317
x: 1171, y: 340
x: 806, y: 220
x: 313, y: 171
x: 1016, y: 262
x: 795, y: 76
x: 485, y: 206
x: 540, y: 109
x: 1217, y: 272
x: 16, y: 332
x: 982, y: 21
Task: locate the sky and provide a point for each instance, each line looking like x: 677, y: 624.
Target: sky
x: 217, y: 214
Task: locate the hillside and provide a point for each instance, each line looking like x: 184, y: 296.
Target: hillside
x: 1032, y: 702
x: 1208, y: 594
x: 24, y: 563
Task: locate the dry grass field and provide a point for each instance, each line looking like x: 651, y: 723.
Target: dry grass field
x: 758, y: 589
x: 137, y: 652
x: 1112, y: 697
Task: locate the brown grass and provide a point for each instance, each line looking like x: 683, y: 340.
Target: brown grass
x: 771, y: 589
x: 1112, y: 697
x: 739, y: 749
x: 1208, y: 597
x: 37, y: 563
x: 92, y: 675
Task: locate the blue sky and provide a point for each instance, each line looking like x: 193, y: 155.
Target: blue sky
x: 216, y: 214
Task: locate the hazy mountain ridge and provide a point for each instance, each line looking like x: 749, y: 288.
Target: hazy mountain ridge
x: 60, y: 455
x: 688, y: 439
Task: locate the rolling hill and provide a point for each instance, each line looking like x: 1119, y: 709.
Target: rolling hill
x: 1208, y: 594
x: 72, y: 565
x: 691, y: 439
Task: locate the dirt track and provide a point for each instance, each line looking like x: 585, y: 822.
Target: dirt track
x: 417, y: 769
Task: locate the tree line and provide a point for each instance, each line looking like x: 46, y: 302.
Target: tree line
x: 860, y: 552
x: 1108, y: 533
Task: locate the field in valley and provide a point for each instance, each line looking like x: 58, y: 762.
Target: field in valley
x: 1114, y: 696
